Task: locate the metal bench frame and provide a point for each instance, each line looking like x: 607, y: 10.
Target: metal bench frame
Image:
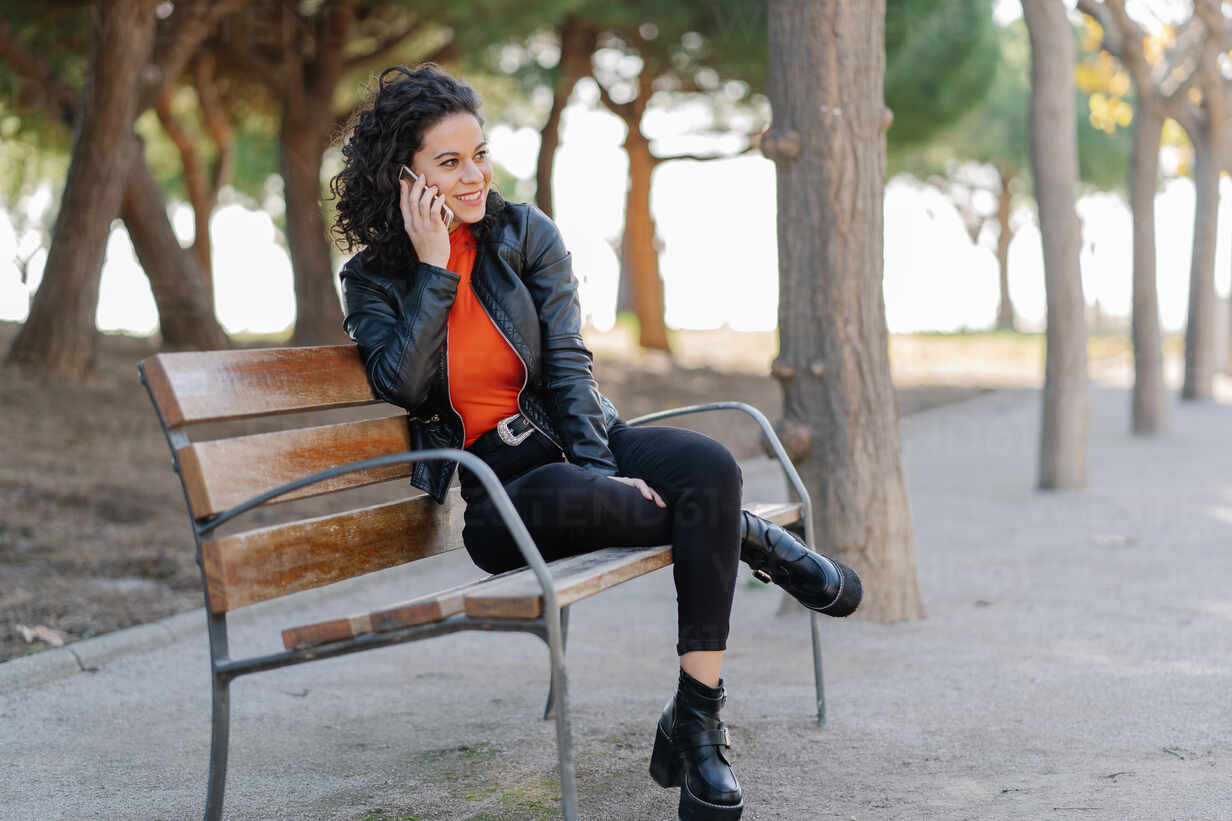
x: 551, y: 626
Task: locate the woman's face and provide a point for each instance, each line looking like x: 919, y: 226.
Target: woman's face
x: 454, y: 158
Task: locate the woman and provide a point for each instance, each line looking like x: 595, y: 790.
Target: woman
x: 469, y: 319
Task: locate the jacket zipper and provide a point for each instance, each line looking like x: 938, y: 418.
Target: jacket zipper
x: 525, y: 371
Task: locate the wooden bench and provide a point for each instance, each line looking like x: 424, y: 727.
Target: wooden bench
x: 223, y: 478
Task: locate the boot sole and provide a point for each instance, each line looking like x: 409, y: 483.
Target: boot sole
x: 850, y: 592
x: 665, y: 770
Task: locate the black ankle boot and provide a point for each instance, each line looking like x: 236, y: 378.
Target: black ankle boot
x: 816, y: 581
x: 690, y: 750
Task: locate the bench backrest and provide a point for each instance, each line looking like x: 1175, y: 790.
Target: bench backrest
x: 251, y: 566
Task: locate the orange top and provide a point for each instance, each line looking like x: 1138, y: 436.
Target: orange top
x: 485, y: 373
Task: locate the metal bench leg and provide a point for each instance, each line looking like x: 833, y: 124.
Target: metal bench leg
x: 564, y: 737
x: 220, y: 735
x: 564, y: 639
x: 815, y: 624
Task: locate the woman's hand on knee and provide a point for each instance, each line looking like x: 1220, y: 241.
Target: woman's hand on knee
x: 645, y: 489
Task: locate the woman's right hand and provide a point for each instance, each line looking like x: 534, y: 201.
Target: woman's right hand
x: 648, y: 493
x: 423, y: 221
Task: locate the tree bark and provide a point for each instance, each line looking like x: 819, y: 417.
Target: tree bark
x: 181, y: 289
x: 1005, y: 201
x: 1149, y: 409
x: 577, y: 44
x: 195, y: 184
x: 309, y: 74
x: 1200, y: 326
x: 1054, y: 161
x: 840, y: 413
x: 302, y: 141
x: 222, y: 135
x: 60, y: 338
x: 640, y: 245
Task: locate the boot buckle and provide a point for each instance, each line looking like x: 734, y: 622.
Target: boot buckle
x: 762, y: 576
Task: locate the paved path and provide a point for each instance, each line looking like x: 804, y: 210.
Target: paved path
x: 1076, y: 662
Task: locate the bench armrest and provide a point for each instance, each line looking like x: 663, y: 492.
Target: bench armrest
x: 496, y: 492
x: 789, y: 470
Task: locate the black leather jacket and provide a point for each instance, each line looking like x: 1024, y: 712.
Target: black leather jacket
x: 523, y: 278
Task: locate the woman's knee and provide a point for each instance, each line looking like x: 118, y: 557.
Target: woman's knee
x: 713, y: 466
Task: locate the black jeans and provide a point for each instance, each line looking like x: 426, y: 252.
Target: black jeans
x: 569, y: 510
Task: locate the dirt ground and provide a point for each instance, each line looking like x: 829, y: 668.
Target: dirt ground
x: 93, y: 535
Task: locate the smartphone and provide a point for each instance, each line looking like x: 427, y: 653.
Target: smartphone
x: 407, y: 173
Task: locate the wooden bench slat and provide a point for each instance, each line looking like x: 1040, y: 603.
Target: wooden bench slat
x: 426, y: 609
x: 222, y: 473
x: 209, y: 386
x: 575, y: 578
x: 268, y: 562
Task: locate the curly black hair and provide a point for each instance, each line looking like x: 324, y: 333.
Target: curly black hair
x: 385, y: 132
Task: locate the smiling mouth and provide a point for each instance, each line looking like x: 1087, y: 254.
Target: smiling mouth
x: 470, y: 199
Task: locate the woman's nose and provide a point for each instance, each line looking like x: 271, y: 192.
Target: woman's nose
x: 471, y: 173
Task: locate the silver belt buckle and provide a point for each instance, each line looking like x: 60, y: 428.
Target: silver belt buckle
x: 509, y: 437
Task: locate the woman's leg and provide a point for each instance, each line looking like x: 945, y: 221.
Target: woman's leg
x: 570, y: 510
x: 702, y: 484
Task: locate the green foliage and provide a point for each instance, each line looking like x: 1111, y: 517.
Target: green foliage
x: 58, y: 34
x: 997, y: 132
x: 27, y: 163
x: 940, y: 60
x: 713, y: 52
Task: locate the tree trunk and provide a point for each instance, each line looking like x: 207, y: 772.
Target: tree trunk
x: 639, y: 248
x: 60, y: 337
x: 200, y: 198
x: 214, y: 118
x: 1149, y: 409
x: 841, y: 420
x: 181, y: 289
x: 577, y: 44
x: 1054, y: 161
x: 1005, y: 200
x: 1200, y: 327
x: 302, y: 141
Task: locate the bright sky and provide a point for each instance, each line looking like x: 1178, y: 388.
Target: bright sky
x: 719, y: 263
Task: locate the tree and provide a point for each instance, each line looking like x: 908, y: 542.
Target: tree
x: 678, y: 49
x: 941, y: 58
x: 1054, y: 164
x: 1159, y: 96
x: 298, y: 54
x: 693, y: 51
x: 645, y: 55
x: 841, y: 424
x: 103, y: 151
x: 1177, y: 76
x: 578, y: 40
x: 1208, y: 127
x: 39, y: 60
x: 985, y: 158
